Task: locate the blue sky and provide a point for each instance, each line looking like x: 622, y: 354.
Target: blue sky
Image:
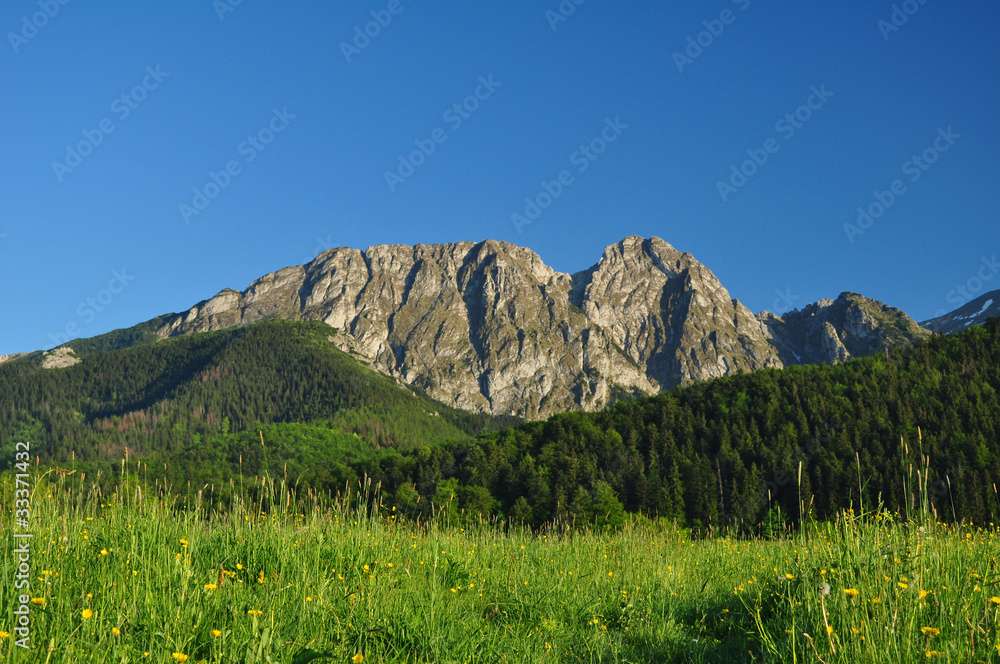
x: 154, y: 153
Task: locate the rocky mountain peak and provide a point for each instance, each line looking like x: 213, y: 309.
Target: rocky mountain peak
x: 488, y: 326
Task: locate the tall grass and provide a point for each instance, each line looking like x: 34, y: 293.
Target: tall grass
x: 137, y: 575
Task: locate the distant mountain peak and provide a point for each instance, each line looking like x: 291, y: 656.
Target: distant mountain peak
x: 973, y: 312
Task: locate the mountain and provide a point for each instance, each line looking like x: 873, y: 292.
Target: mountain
x: 974, y: 312
x: 835, y: 330
x: 488, y: 327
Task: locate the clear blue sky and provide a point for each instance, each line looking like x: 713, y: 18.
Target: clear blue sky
x: 201, y: 85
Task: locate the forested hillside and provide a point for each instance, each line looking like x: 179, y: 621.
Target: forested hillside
x: 277, y: 397
x: 164, y: 397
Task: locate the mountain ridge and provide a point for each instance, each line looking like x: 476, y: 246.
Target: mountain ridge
x: 489, y: 327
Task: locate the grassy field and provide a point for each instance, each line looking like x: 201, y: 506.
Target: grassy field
x: 130, y: 578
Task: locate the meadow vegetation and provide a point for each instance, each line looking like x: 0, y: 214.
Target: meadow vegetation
x: 138, y: 575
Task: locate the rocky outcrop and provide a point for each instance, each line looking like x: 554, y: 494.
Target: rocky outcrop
x: 60, y: 358
x: 489, y: 327
x: 835, y: 330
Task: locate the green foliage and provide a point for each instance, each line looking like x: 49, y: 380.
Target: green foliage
x: 750, y: 452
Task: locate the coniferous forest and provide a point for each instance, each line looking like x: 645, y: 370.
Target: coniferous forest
x: 746, y: 452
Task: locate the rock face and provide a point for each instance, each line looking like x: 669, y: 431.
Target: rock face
x: 974, y: 312
x: 835, y: 330
x: 489, y: 327
x: 60, y: 358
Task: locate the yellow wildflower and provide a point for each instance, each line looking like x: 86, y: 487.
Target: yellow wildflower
x: 995, y: 600
x: 216, y: 633
x: 358, y: 658
x: 4, y: 635
x: 851, y: 592
x: 179, y: 657
x: 255, y: 613
x: 210, y: 586
x: 922, y: 594
x: 38, y: 601
x: 116, y: 631
x: 929, y: 631
x: 87, y: 614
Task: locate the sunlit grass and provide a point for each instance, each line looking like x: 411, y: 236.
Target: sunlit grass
x: 130, y: 578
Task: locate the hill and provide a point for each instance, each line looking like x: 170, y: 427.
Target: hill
x: 195, y: 404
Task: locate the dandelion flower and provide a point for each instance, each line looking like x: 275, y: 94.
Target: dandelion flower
x: 210, y: 586
x: 116, y: 631
x: 922, y: 594
x: 789, y: 576
x: 358, y: 658
x: 995, y: 600
x: 255, y: 613
x: 929, y: 631
x: 179, y: 657
x: 930, y: 654
x: 38, y: 601
x: 903, y: 585
x: 216, y: 633
x: 184, y: 543
x: 87, y: 614
x: 104, y: 552
x: 4, y: 635
x: 852, y: 592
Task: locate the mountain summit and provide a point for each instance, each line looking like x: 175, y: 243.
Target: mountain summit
x: 489, y: 327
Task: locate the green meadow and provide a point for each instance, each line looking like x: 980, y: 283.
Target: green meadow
x: 136, y: 575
